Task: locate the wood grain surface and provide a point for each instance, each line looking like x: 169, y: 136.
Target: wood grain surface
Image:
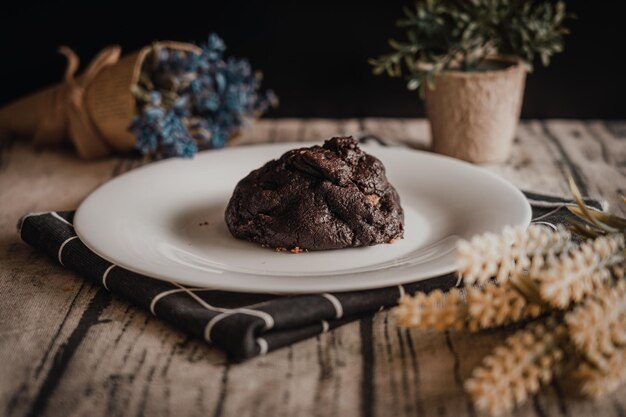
x: 68, y: 348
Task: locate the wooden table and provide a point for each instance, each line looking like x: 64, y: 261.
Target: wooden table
x: 68, y: 348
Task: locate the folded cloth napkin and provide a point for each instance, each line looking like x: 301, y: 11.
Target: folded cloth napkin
x: 243, y: 325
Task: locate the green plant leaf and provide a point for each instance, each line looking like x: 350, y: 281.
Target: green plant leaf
x: 444, y: 35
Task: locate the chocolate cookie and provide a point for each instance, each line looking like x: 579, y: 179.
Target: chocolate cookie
x: 323, y: 197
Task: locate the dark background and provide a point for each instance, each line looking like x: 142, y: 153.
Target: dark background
x: 314, y: 54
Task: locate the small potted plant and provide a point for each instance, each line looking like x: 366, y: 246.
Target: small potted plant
x: 469, y: 61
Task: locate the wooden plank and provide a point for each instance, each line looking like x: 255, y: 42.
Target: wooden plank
x: 314, y: 377
x: 106, y: 375
x: 131, y: 363
x: 534, y: 164
x: 318, y: 130
x: 90, y: 353
x: 302, y: 379
x: 296, y: 130
x: 86, y: 352
x: 41, y: 303
x: 412, y: 131
x: 259, y: 131
x: 289, y: 130
x: 600, y: 156
x: 587, y: 160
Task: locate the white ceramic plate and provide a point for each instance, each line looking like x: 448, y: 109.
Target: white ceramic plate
x: 166, y: 220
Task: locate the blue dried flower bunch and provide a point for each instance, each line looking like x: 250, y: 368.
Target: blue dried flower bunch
x: 188, y: 102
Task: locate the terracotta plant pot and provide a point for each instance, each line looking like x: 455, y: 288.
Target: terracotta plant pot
x: 473, y: 115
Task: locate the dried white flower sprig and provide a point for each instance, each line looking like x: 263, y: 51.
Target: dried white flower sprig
x: 573, y: 296
x: 597, y: 327
x: 498, y: 257
x: 518, y: 368
x: 579, y: 272
x: 473, y: 308
x: 597, y: 382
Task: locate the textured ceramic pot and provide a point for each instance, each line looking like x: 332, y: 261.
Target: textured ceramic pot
x: 473, y: 115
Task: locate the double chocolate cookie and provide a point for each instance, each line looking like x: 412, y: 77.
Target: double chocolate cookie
x: 323, y: 197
